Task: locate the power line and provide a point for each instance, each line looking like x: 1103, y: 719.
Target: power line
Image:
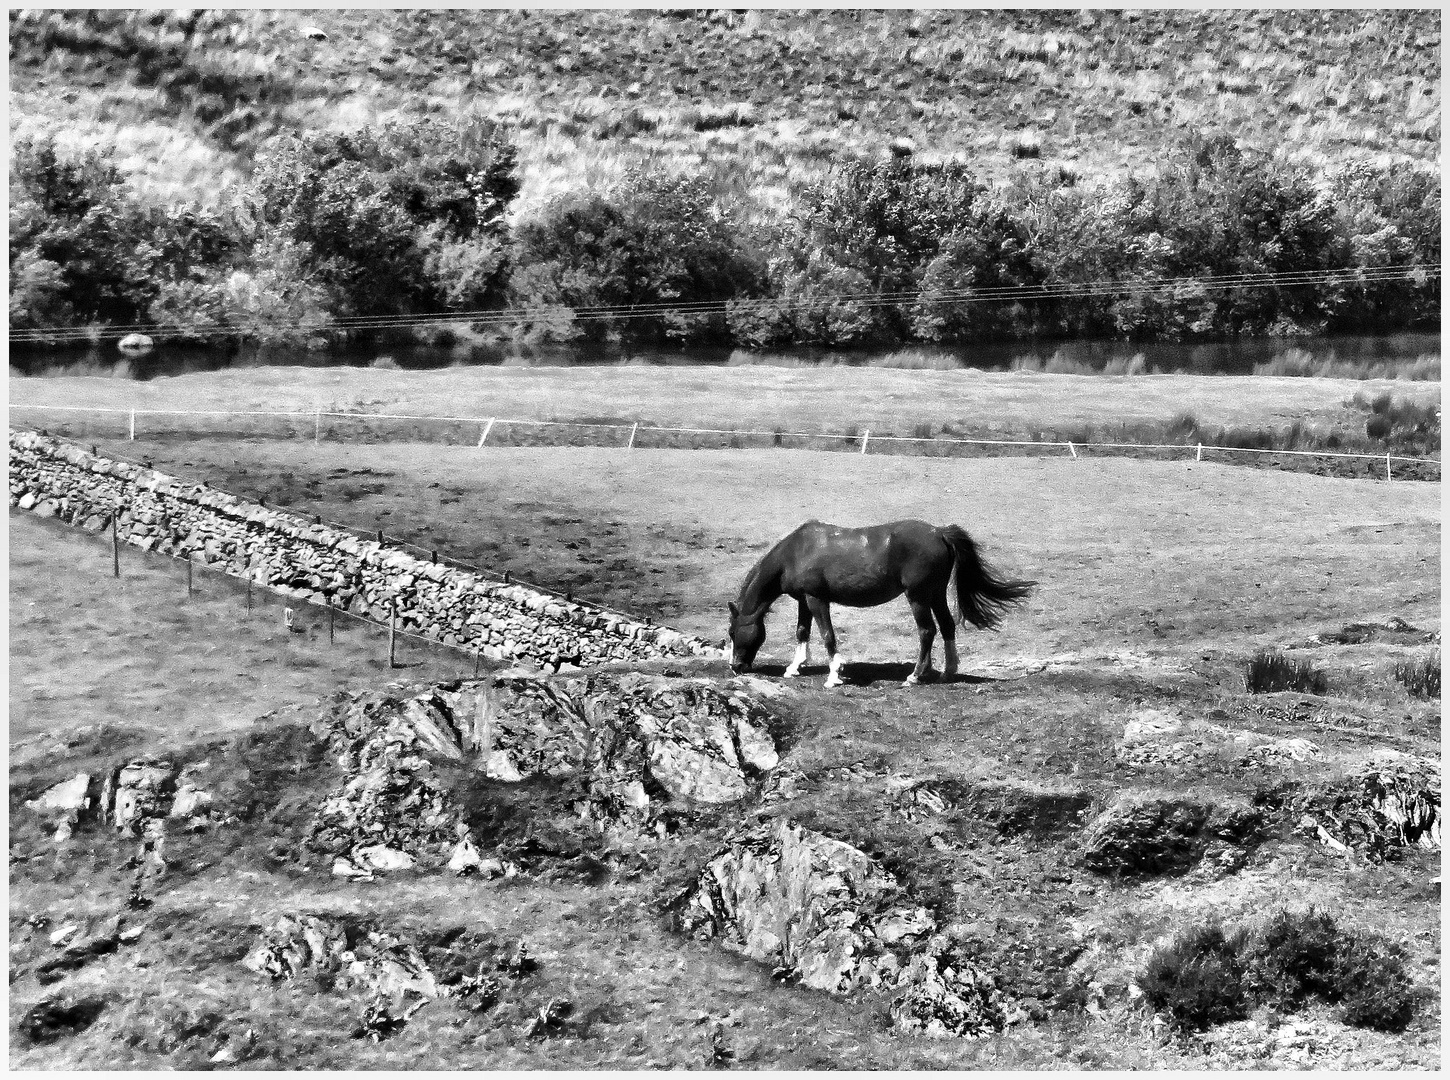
x: 1350, y: 276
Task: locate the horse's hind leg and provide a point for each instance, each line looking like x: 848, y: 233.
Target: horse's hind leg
x: 821, y: 609
x: 943, y: 612
x: 802, y: 639
x: 926, y: 630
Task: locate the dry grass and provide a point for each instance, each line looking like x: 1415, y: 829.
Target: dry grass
x: 806, y: 398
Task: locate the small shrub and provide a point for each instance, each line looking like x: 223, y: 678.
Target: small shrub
x: 1270, y: 671
x: 1294, y: 956
x: 1420, y: 677
x: 1209, y: 976
x: 1198, y: 979
x: 1373, y: 983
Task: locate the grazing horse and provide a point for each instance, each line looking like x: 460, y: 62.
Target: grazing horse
x: 820, y: 564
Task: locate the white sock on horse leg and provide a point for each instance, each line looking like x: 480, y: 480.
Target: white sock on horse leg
x: 833, y: 677
x: 950, y: 666
x: 802, y: 656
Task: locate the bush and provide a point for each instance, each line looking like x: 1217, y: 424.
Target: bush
x: 1294, y: 956
x: 402, y: 220
x: 1198, y: 979
x: 653, y: 241
x: 84, y: 250
x: 1206, y: 976
x: 1270, y: 671
x: 1373, y: 983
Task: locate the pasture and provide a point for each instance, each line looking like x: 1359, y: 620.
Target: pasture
x: 1158, y: 581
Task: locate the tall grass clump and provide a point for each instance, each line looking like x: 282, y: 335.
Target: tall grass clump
x: 1299, y: 363
x: 1208, y: 975
x: 1420, y: 677
x: 1270, y: 671
x: 917, y: 360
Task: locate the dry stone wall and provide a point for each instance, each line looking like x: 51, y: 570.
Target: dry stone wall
x: 321, y: 564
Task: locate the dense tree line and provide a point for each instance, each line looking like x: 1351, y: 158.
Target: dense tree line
x: 402, y: 223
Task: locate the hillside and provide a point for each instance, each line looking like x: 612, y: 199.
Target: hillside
x: 765, y: 100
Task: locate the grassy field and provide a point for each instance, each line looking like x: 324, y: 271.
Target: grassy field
x: 763, y: 100
x: 1158, y: 580
x: 755, y: 397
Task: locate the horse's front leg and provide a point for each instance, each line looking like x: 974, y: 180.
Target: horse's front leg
x: 802, y: 639
x: 926, y: 631
x: 821, y: 609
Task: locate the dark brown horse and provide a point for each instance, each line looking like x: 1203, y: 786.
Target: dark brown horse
x: 822, y: 564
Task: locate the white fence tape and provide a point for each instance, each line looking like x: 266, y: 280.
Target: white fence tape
x: 317, y: 416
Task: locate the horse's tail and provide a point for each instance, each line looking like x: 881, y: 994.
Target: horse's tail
x: 982, y: 596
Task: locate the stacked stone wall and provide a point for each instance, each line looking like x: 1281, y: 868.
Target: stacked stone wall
x: 322, y: 564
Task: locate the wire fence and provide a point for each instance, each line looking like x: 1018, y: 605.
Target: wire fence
x: 319, y: 425
x: 477, y: 651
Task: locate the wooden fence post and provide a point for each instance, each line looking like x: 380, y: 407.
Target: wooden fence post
x: 317, y: 428
x: 1199, y: 457
x: 392, y: 633
x: 133, y: 425
x: 865, y: 439
x: 189, y: 564
x: 1387, y: 468
x: 331, y: 622
x: 632, y: 432
x: 115, y: 545
x: 1072, y: 449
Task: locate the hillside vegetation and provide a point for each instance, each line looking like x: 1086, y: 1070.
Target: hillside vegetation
x: 764, y: 98
x: 841, y: 179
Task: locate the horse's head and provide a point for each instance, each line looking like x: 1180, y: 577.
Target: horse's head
x: 747, y: 634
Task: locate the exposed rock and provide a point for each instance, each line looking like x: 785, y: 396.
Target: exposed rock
x: 68, y: 797
x: 351, y: 954
x: 135, y: 343
x: 1144, y: 835
x: 59, y: 1016
x: 1389, y: 800
x: 827, y: 914
x: 627, y: 749
x: 948, y: 996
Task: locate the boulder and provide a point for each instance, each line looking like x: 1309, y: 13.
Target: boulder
x: 135, y: 343
x: 1145, y: 835
x: 825, y: 913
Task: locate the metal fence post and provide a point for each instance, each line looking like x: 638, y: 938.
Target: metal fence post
x: 1072, y: 449
x: 865, y: 440
x: 133, y: 425
x: 632, y: 432
x: 1387, y: 468
x: 1199, y: 457
x: 486, y: 429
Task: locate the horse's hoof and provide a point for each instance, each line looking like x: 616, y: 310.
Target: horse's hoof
x: 790, y: 673
x: 833, y: 682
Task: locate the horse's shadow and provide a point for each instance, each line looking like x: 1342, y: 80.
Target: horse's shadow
x: 867, y: 673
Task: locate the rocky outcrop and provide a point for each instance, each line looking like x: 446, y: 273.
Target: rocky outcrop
x: 622, y: 750
x: 1142, y: 834
x: 347, y: 953
x: 1388, y: 800
x: 825, y: 913
x: 129, y: 796
x: 325, y: 565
